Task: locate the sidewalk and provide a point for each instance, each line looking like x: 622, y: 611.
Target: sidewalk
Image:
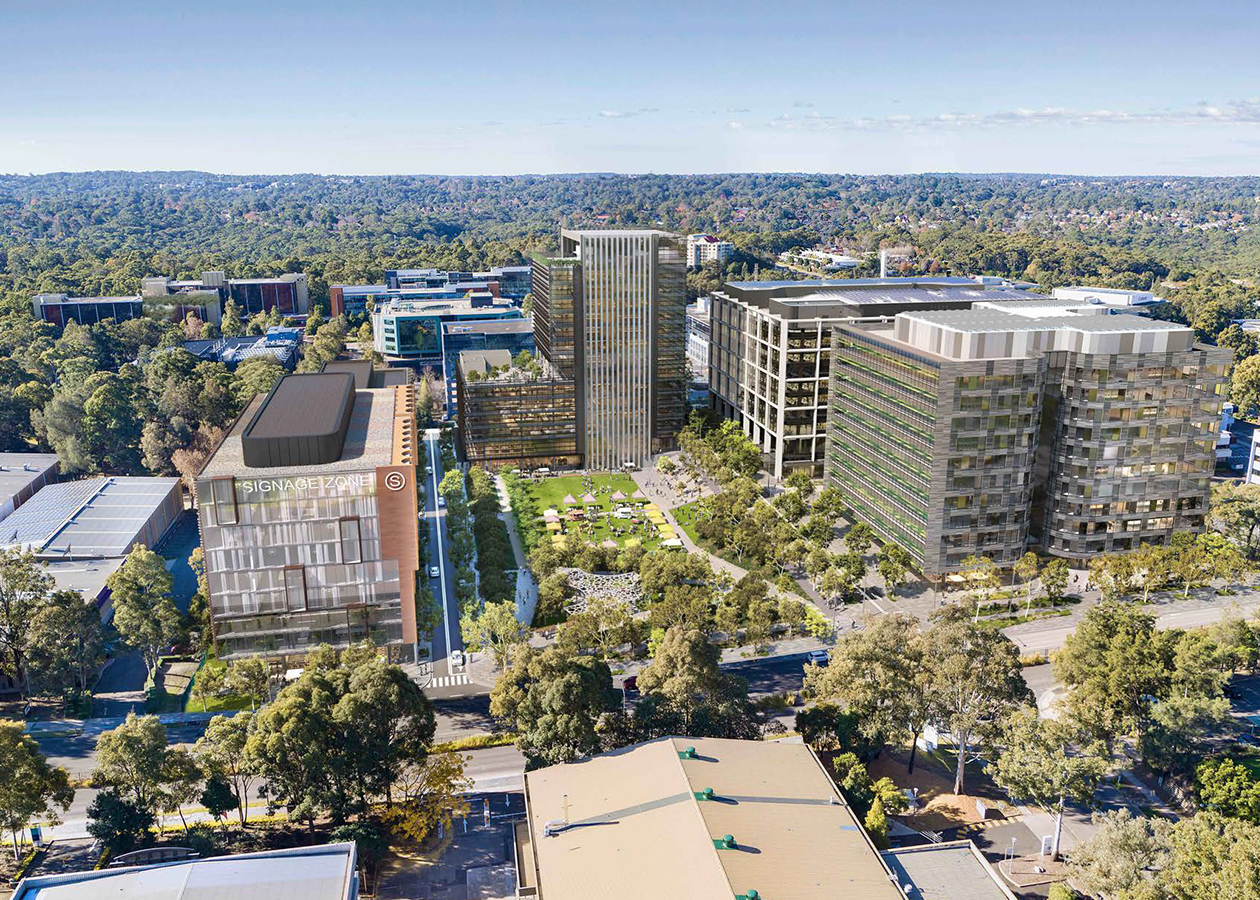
x: 526, y: 589
x: 96, y: 726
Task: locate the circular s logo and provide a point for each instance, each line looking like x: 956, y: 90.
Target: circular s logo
x: 395, y: 481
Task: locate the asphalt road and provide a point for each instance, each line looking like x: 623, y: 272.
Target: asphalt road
x: 447, y: 681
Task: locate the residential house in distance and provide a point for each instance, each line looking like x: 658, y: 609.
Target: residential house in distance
x: 770, y: 351
x: 984, y: 430
x: 309, y: 518
x: 703, y: 248
x: 695, y: 819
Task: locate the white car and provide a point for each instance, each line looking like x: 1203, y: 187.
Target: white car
x: 441, y: 501
x: 433, y: 572
x: 457, y: 657
x: 817, y: 658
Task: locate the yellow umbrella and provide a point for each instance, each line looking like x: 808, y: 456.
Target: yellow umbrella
x: 554, y: 526
x: 558, y: 540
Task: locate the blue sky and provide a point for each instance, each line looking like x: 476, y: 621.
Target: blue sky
x: 378, y: 86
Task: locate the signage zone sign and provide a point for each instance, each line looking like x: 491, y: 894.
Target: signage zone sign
x: 322, y: 484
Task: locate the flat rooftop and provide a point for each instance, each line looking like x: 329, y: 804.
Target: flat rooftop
x: 1000, y: 320
x: 368, y: 442
x: 491, y: 326
x: 866, y: 297
x: 93, y: 517
x: 950, y: 871
x: 635, y: 823
x: 19, y: 470
x: 303, y: 873
x: 304, y: 405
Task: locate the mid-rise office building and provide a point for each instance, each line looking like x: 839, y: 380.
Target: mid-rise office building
x: 309, y: 519
x: 984, y: 431
x: 286, y: 293
x: 515, y: 416
x: 703, y: 248
x: 62, y: 309
x: 164, y: 298
x: 510, y: 335
x: 609, y: 313
x: 411, y: 332
x: 770, y: 351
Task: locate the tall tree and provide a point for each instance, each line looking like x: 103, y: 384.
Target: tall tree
x: 976, y: 679
x: 881, y: 675
x: 250, y: 677
x: 24, y: 590
x: 1112, y: 665
x: 1046, y: 763
x: 132, y: 758
x: 67, y: 644
x: 144, y: 614
x: 221, y: 751
x: 30, y: 788
x: 553, y: 701
x: 494, y: 628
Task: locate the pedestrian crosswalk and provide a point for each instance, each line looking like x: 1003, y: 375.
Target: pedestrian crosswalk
x: 450, y: 680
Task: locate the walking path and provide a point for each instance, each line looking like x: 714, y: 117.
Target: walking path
x: 526, y: 589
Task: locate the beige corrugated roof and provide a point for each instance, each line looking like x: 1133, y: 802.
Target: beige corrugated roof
x: 637, y: 829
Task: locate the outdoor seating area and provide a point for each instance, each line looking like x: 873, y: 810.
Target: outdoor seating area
x: 610, y: 510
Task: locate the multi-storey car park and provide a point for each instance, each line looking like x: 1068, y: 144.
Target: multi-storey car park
x: 770, y: 351
x: 960, y: 432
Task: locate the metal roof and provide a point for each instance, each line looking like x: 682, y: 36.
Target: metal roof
x: 17, y: 470
x: 303, y: 873
x: 951, y: 871
x: 635, y: 823
x: 94, y: 517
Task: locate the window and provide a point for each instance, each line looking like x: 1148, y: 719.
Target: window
x: 295, y: 588
x: 351, y: 540
x: 224, y: 501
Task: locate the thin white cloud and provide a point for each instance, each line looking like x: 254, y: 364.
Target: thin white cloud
x: 626, y: 114
x: 1244, y: 112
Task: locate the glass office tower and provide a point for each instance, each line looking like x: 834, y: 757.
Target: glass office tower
x: 610, y: 313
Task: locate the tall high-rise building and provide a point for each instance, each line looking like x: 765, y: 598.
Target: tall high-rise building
x: 982, y: 431
x: 609, y: 313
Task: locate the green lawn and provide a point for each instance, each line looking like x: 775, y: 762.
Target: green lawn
x: 218, y: 703
x: 550, y: 493
x: 1250, y: 762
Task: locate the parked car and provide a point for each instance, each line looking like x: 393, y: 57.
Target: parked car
x: 434, y: 572
x: 817, y: 658
x: 631, y: 683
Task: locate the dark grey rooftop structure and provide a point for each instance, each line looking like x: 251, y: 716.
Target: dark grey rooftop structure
x: 303, y: 421
x: 366, y: 375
